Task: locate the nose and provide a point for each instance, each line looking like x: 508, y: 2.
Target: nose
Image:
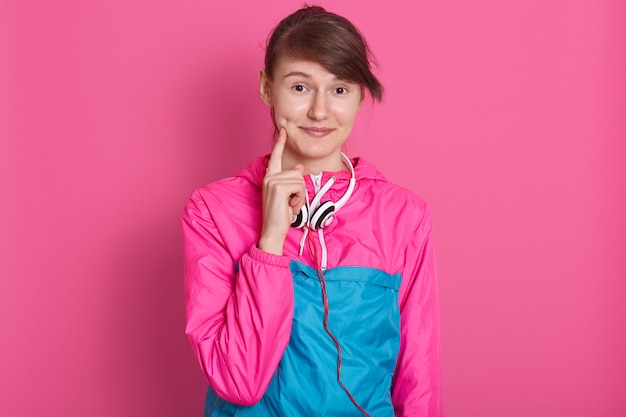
x: 318, y: 109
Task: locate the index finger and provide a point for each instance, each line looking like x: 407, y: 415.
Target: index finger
x: 274, y: 166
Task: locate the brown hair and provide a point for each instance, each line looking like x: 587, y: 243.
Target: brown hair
x: 313, y: 34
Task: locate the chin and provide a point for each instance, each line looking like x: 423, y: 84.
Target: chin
x: 313, y: 153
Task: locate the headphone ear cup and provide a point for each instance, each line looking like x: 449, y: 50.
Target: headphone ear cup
x: 300, y: 219
x: 323, y: 215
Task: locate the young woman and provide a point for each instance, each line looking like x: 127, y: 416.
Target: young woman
x: 310, y: 279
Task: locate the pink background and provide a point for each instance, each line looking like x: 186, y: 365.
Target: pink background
x: 507, y: 116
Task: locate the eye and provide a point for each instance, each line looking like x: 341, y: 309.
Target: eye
x: 299, y: 88
x: 341, y: 91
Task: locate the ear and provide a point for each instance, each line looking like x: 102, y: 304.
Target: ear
x: 265, y: 88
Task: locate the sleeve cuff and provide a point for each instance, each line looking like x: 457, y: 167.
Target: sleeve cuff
x: 268, y: 258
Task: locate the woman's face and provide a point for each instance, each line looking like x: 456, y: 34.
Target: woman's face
x: 315, y: 108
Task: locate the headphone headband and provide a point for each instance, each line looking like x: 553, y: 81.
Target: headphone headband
x: 343, y: 200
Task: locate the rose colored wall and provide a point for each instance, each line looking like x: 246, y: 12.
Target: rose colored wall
x: 508, y: 117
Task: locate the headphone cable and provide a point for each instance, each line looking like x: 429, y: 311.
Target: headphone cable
x: 320, y: 275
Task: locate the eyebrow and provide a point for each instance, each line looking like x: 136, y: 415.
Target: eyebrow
x: 298, y: 74
x: 305, y: 75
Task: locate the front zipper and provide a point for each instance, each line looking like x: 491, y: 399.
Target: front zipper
x: 317, y: 180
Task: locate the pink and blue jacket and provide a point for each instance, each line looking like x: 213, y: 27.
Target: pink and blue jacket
x: 255, y: 320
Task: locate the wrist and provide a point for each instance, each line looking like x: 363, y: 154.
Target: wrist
x: 271, y: 245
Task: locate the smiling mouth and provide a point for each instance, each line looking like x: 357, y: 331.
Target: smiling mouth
x: 317, y: 132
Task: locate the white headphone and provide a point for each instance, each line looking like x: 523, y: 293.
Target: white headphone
x: 319, y: 215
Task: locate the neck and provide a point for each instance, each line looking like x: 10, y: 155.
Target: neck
x: 331, y: 163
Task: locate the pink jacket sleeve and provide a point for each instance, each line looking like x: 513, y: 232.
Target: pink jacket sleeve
x: 416, y: 390
x: 238, y: 322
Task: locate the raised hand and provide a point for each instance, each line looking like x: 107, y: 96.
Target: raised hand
x: 283, y: 196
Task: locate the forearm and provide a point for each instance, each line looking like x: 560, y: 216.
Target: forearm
x: 240, y: 349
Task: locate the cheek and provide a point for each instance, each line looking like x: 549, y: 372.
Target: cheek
x: 347, y: 114
x: 281, y: 119
x: 287, y: 113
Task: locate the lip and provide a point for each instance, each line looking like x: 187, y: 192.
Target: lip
x: 317, y: 132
